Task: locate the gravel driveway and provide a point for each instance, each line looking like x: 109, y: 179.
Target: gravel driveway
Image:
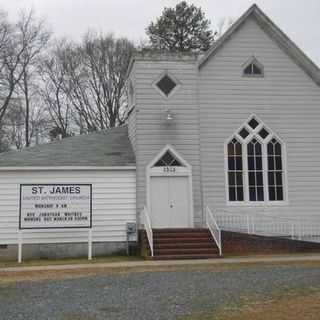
x: 148, y: 295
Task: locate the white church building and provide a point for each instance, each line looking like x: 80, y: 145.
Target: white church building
x: 226, y: 141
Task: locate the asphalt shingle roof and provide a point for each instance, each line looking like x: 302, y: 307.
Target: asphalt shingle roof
x: 106, y: 148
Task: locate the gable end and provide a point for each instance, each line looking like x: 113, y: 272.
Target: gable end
x: 283, y: 41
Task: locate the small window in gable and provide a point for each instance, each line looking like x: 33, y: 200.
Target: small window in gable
x: 168, y: 160
x: 253, y: 68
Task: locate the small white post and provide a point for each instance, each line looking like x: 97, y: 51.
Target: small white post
x: 19, y: 246
x: 90, y: 244
x: 220, y: 242
x: 248, y: 224
x: 292, y: 231
x: 300, y: 231
x: 252, y: 225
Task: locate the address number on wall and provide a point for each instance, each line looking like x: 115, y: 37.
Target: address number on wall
x: 169, y: 169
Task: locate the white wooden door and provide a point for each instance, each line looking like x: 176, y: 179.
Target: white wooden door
x: 179, y: 202
x: 170, y: 202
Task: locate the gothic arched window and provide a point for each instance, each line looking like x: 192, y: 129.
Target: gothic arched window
x: 255, y: 170
x: 235, y: 171
x: 275, y: 170
x: 255, y: 164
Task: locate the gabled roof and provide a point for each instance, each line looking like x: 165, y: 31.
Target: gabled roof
x: 275, y: 33
x: 108, y: 148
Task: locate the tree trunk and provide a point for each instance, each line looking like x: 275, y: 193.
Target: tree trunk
x: 27, y: 102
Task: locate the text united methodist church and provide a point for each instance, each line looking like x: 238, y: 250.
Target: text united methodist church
x: 220, y: 153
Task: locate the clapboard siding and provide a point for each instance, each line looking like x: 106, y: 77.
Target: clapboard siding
x: 152, y: 132
x: 113, y: 205
x: 286, y: 99
x: 132, y: 130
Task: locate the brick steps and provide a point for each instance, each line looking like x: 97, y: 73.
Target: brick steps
x: 180, y: 230
x: 186, y: 257
x: 181, y: 235
x: 186, y: 251
x: 182, y: 243
x: 180, y: 240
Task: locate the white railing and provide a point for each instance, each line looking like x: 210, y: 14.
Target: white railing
x: 214, y: 229
x: 147, y: 226
x: 266, y: 225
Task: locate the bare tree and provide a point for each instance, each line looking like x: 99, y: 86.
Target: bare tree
x: 69, y: 88
x: 20, y: 44
x: 54, y: 89
x: 38, y: 36
x: 13, y: 124
x: 97, y: 71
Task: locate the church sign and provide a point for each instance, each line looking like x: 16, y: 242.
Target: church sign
x: 51, y: 206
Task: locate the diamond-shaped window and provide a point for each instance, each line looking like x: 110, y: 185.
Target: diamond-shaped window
x: 253, y: 123
x: 166, y: 84
x: 243, y: 133
x: 263, y: 133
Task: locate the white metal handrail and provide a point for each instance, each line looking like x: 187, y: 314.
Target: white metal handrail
x: 214, y: 229
x: 265, y: 225
x: 147, y: 226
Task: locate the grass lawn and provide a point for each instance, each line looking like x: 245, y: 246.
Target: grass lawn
x: 291, y: 305
x: 87, y: 272
x: 48, y: 262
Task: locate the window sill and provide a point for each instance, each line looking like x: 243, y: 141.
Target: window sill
x: 258, y: 204
x: 252, y: 75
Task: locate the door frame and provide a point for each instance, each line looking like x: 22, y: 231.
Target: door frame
x: 184, y: 171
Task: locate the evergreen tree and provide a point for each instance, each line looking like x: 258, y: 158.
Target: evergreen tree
x: 183, y: 28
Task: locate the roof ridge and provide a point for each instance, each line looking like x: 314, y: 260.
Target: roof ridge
x: 57, y: 141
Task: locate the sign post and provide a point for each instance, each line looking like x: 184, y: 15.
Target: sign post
x: 90, y: 245
x: 55, y: 206
x: 19, y: 246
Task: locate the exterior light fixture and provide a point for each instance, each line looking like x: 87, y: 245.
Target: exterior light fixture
x: 169, y: 116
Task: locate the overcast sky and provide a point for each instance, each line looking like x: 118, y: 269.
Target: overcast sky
x: 299, y: 19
